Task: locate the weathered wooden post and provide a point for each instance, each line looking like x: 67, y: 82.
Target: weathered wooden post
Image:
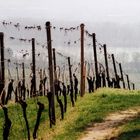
x: 133, y: 86
x: 57, y: 83
x: 71, y: 81
x: 44, y: 81
x: 82, y: 86
x: 54, y: 63
x: 114, y: 65
x: 23, y: 73
x: 128, y: 83
x: 122, y: 78
x: 49, y: 43
x: 23, y: 80
x: 95, y: 59
x: 2, y: 67
x: 34, y: 66
x: 41, y: 82
x: 106, y: 65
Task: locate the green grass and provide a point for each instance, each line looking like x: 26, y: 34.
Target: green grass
x: 91, y: 108
x: 130, y: 130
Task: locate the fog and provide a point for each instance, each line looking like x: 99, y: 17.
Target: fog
x: 116, y: 24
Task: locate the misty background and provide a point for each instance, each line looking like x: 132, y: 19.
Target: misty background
x: 116, y: 23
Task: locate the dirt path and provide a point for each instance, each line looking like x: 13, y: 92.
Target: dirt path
x: 110, y: 126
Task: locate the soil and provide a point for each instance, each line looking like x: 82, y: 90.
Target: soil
x: 109, y: 128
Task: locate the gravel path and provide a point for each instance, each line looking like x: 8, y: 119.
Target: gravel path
x: 110, y: 126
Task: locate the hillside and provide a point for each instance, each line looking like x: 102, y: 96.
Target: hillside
x: 89, y: 109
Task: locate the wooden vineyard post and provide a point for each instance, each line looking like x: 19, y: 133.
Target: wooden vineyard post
x: 133, y: 86
x: 82, y: 85
x: 23, y: 73
x: 114, y: 65
x: 23, y: 77
x: 54, y: 63
x: 95, y: 59
x: 128, y: 83
x: 71, y: 81
x: 41, y: 83
x: 57, y: 83
x: 34, y: 66
x: 122, y: 78
x: 2, y: 67
x: 49, y: 43
x: 106, y: 65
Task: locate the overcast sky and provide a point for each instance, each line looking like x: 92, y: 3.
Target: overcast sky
x: 72, y: 10
x: 124, y: 37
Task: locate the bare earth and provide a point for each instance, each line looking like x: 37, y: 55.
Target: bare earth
x: 110, y: 126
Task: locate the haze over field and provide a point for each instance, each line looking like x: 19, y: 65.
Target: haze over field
x: 115, y: 23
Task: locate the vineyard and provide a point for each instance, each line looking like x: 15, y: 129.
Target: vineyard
x: 54, y: 73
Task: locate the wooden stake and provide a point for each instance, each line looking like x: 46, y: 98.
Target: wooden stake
x: 114, y: 65
x: 2, y: 66
x: 82, y: 91
x: 34, y: 66
x: 95, y: 59
x: 71, y: 82
x: 133, y: 86
x: 49, y: 42
x: 54, y: 63
x: 106, y: 65
x: 128, y: 81
x: 23, y: 75
x: 122, y: 75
